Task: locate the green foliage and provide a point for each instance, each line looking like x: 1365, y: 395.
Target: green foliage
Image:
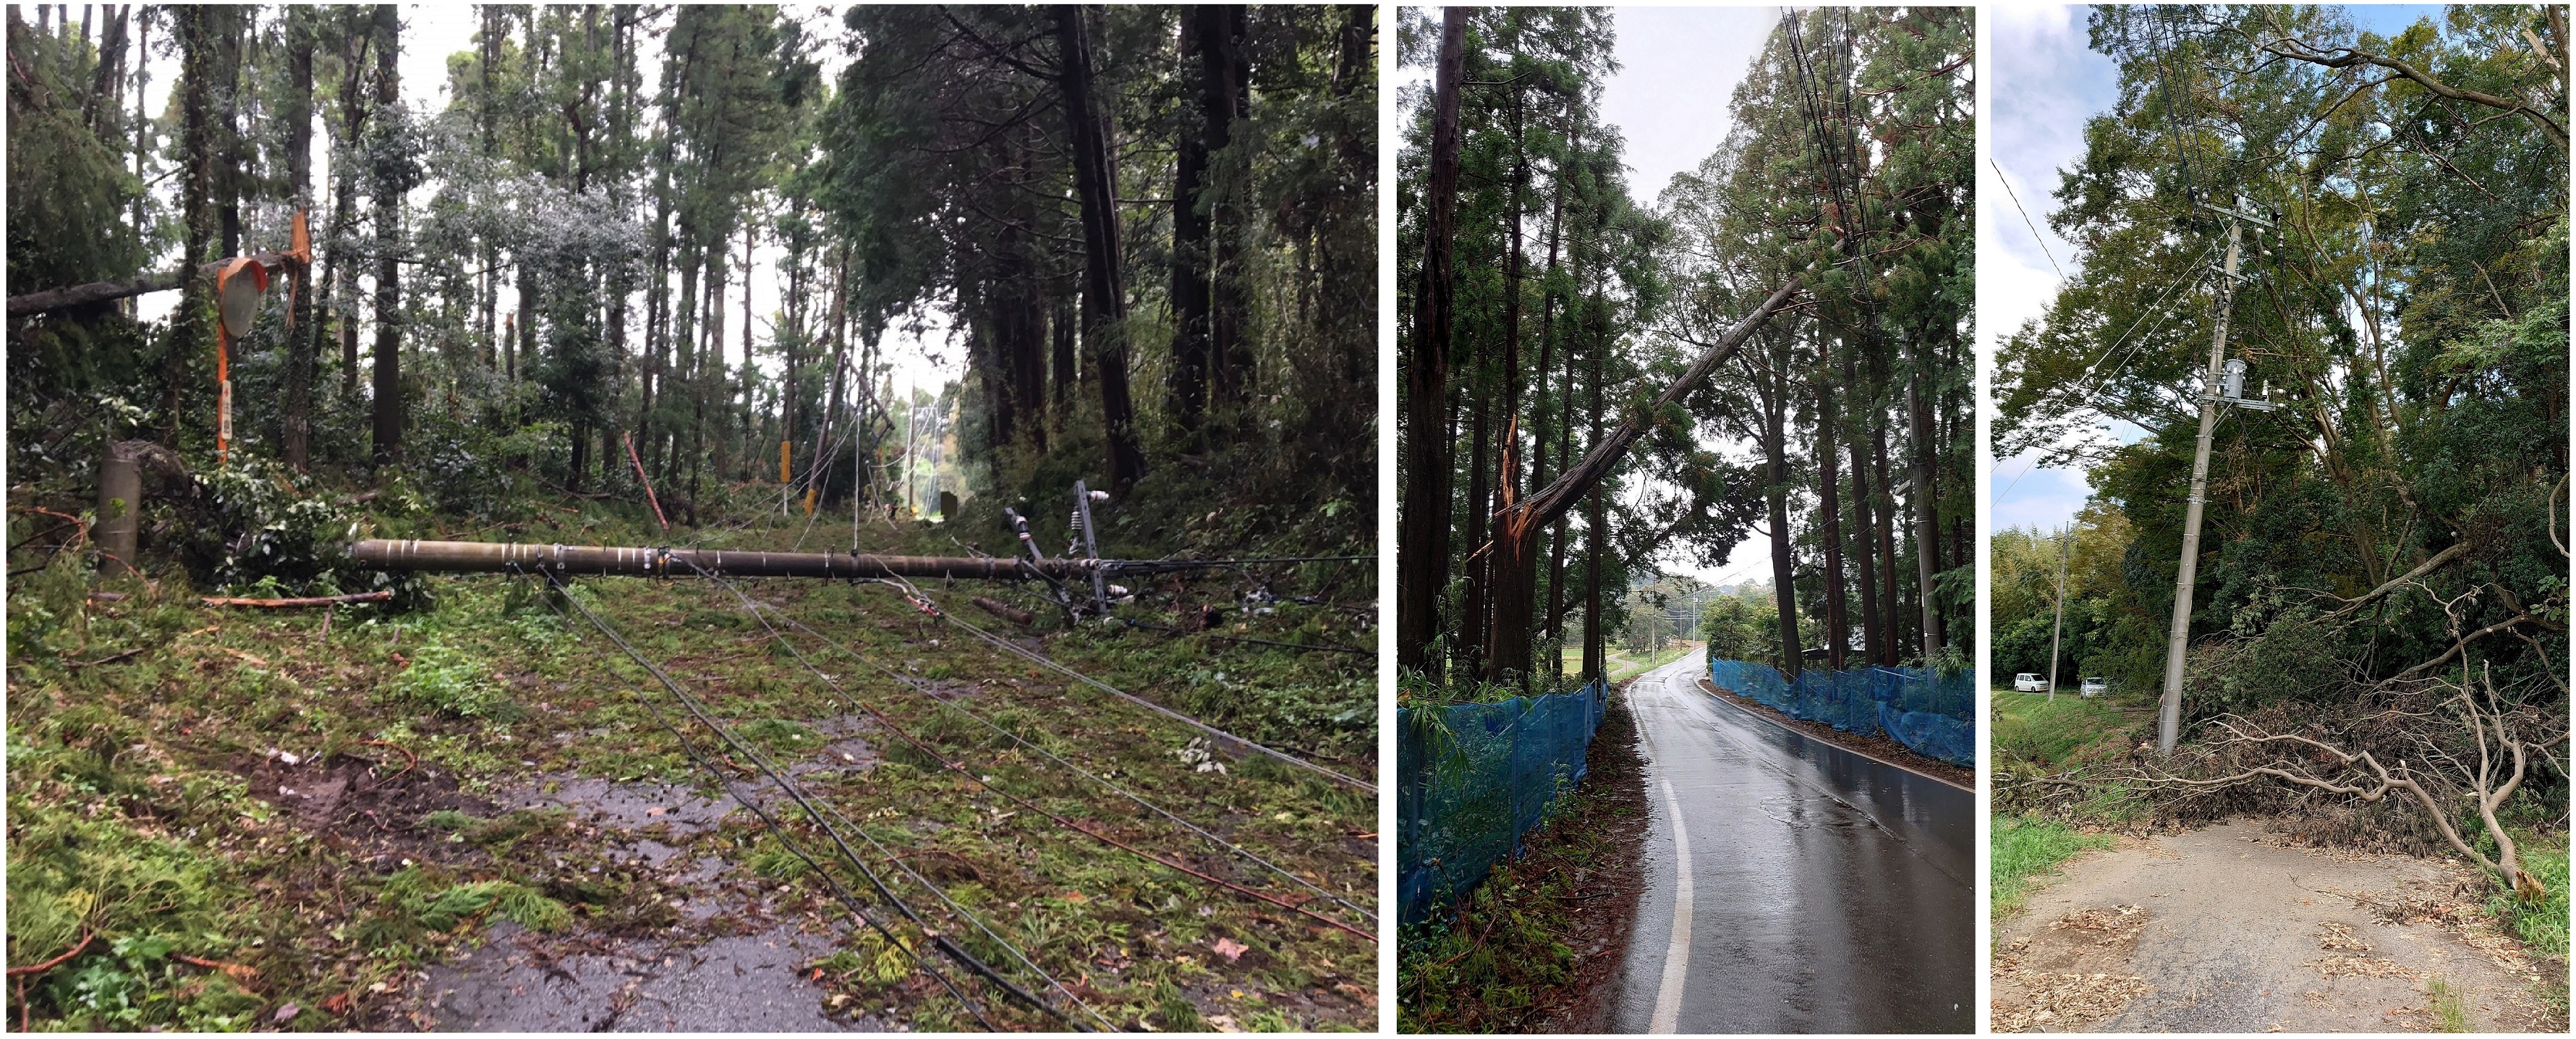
x: 256, y: 524
x: 424, y: 897
x: 453, y: 681
x: 2449, y: 1004
x: 2542, y: 923
x: 2027, y: 848
x: 2410, y: 316
x: 2045, y: 732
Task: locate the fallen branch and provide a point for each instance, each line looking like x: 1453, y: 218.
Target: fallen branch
x: 39, y: 968
x: 108, y: 659
x: 1006, y: 612
x: 2426, y: 567
x: 2484, y: 788
x: 317, y: 600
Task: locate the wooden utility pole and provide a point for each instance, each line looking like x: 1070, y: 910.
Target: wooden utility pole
x: 2178, y: 639
x: 2058, y: 626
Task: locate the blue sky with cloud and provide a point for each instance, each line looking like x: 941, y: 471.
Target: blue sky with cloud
x: 2046, y: 84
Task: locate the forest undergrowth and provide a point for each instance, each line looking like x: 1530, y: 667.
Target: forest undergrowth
x: 168, y: 761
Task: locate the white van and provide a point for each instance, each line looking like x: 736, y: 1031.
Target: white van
x: 2026, y: 682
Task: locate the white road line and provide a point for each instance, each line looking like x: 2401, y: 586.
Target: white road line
x: 1668, y: 996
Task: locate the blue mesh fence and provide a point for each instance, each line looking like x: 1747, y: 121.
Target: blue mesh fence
x: 1926, y: 712
x: 1472, y: 779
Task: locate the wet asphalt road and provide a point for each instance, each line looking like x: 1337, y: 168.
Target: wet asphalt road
x: 1823, y: 891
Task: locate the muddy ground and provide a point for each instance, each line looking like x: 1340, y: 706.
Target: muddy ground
x: 2231, y: 929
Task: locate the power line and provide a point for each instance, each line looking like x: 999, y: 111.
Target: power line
x: 755, y: 608
x: 796, y: 794
x: 924, y: 604
x: 2026, y: 221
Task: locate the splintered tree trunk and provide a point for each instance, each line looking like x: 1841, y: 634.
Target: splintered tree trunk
x: 1104, y: 297
x: 1927, y: 531
x: 1422, y: 544
x: 389, y: 206
x: 1521, y: 521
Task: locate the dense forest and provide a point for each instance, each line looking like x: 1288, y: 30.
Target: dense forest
x: 1544, y: 305
x: 2383, y: 566
x: 707, y: 278
x: 1139, y: 226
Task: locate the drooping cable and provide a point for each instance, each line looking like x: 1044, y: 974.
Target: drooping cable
x: 797, y: 794
x: 915, y: 685
x: 923, y: 603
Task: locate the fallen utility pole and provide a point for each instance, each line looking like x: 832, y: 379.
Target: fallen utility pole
x: 505, y: 557
x: 492, y: 557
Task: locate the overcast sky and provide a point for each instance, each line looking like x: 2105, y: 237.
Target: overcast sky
x: 432, y: 32
x: 2046, y: 83
x: 1678, y: 67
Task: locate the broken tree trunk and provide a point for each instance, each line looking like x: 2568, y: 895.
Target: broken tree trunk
x: 1517, y: 525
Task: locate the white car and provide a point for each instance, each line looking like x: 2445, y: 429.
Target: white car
x: 2096, y: 686
x: 2027, y: 682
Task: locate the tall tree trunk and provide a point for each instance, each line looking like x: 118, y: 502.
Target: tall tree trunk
x: 1829, y: 509
x: 1596, y: 517
x: 341, y: 281
x: 1225, y: 97
x: 1775, y: 436
x: 190, y: 331
x: 1422, y: 545
x: 1512, y: 568
x: 750, y: 452
x: 303, y: 339
x: 100, y: 109
x: 1067, y: 377
x: 1470, y: 648
x: 1927, y: 533
x: 1547, y: 410
x: 1883, y: 504
x: 1191, y: 294
x: 1104, y: 297
x: 1874, y: 634
x: 389, y: 213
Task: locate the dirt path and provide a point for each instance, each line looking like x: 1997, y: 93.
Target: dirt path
x: 2227, y: 930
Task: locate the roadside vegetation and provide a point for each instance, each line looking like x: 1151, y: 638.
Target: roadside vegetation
x: 2027, y: 849
x: 2378, y: 638
x: 1527, y: 950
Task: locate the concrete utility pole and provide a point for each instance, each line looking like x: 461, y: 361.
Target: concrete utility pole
x: 2058, y: 626
x: 2177, y: 644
